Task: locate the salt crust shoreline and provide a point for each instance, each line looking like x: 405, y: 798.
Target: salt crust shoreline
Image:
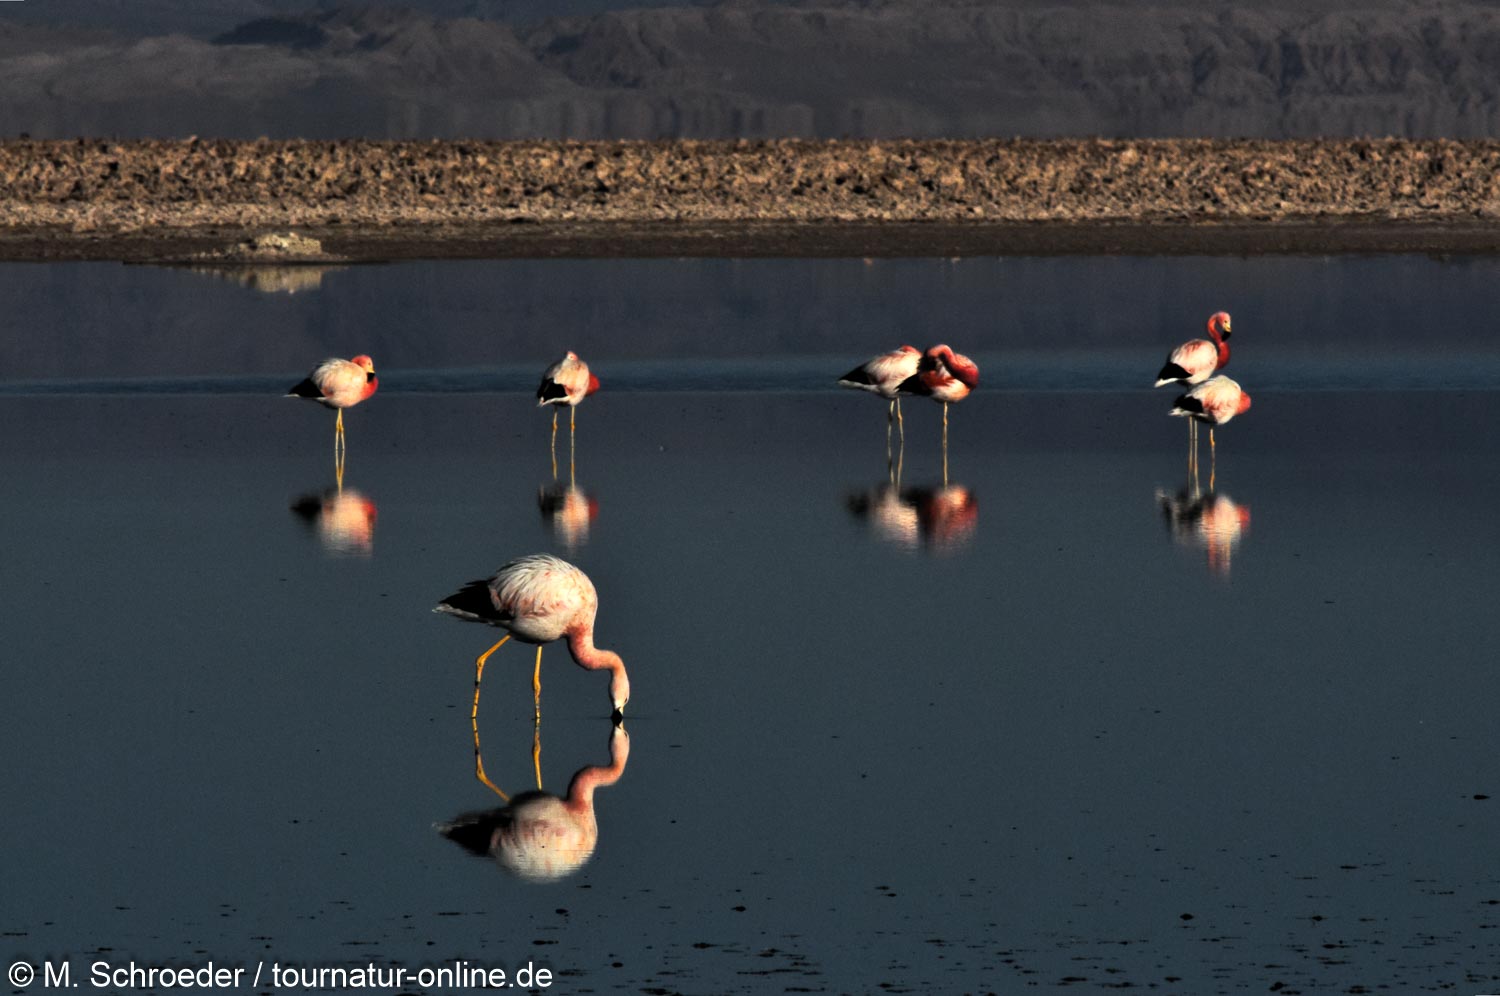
x: 100, y: 199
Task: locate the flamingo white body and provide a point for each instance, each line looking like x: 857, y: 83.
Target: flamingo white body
x: 538, y: 599
x: 1215, y: 402
x: 1196, y: 360
x: 338, y: 384
x: 884, y: 375
x: 566, y: 382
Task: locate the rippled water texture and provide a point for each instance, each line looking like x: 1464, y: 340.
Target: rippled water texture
x: 1068, y: 717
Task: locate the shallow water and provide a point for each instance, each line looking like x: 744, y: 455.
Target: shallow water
x: 1055, y: 724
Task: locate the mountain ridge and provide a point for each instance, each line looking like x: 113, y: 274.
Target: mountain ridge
x: 757, y: 69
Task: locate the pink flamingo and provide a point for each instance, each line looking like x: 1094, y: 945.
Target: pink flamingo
x: 566, y: 382
x: 945, y: 376
x: 338, y: 384
x: 1195, y: 360
x: 1215, y: 402
x: 538, y: 599
x: 884, y: 375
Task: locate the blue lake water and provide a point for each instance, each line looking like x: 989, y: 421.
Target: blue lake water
x: 1066, y: 719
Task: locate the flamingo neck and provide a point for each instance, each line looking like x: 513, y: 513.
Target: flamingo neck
x: 1221, y: 345
x: 581, y: 646
x: 586, y: 655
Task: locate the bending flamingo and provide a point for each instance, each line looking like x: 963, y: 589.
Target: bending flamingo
x: 566, y: 382
x: 884, y: 375
x: 538, y: 599
x: 1195, y: 360
x: 1215, y: 402
x: 338, y: 384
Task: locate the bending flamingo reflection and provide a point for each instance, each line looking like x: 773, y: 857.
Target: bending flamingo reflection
x: 538, y: 836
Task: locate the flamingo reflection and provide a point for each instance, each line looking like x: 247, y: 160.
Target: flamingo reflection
x: 569, y: 511
x: 1209, y: 521
x: 537, y: 836
x: 566, y: 508
x: 343, y: 517
x: 942, y: 518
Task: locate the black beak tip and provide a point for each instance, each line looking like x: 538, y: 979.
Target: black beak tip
x: 616, y: 716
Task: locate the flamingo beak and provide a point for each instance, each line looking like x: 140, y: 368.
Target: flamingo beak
x: 617, y: 715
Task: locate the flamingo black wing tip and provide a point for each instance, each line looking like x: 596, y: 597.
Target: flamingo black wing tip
x: 305, y: 389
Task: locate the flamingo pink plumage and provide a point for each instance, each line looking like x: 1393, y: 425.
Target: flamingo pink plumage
x: 884, y: 375
x: 338, y: 384
x: 537, y: 599
x: 1214, y: 402
x: 566, y: 382
x: 945, y: 376
x: 1195, y: 360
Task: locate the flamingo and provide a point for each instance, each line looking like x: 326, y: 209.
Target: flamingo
x: 884, y: 375
x: 338, y: 384
x: 945, y: 376
x: 1195, y: 360
x: 566, y: 382
x: 1215, y: 402
x: 540, y: 598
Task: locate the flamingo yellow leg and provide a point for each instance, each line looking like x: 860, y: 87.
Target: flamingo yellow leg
x: 536, y: 684
x: 900, y: 422
x: 479, y: 672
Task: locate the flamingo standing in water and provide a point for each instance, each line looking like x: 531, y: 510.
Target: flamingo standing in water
x: 1196, y: 360
x: 538, y: 599
x: 1215, y: 402
x: 566, y: 382
x: 338, y: 384
x: 884, y: 375
x: 945, y: 376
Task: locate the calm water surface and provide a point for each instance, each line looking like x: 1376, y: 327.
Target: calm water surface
x: 1061, y: 720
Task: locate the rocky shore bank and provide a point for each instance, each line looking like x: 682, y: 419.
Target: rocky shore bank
x: 364, y: 199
